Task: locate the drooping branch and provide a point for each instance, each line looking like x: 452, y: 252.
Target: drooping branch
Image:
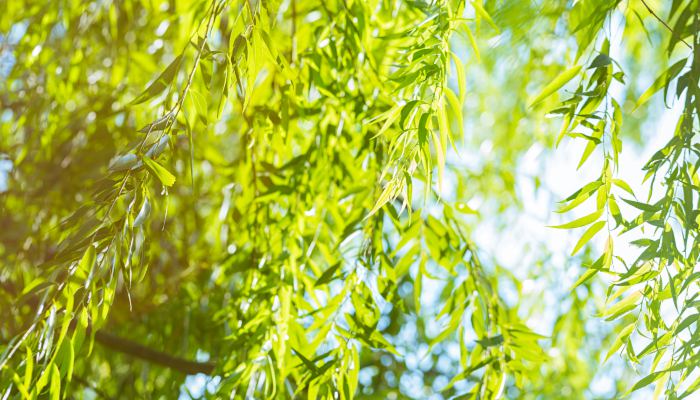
x: 137, y: 350
x: 132, y: 348
x: 663, y: 22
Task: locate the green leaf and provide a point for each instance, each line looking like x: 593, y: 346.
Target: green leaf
x: 88, y: 260
x: 124, y: 162
x: 662, y: 81
x: 380, y: 342
x: 389, y: 118
x: 590, y: 232
x: 455, y: 105
x: 641, y: 206
x: 464, y: 374
x: 461, y: 78
x: 406, y: 112
x: 28, y: 367
x: 483, y: 13
x: 623, y: 306
x: 588, y: 188
x: 440, y: 142
x: 583, y: 221
x: 580, y: 196
x: 163, y: 175
x: 620, y: 339
x: 689, y: 320
x: 601, y: 60
x: 307, y: 363
x: 590, y: 146
x: 389, y: 193
x: 555, y: 85
x: 160, y: 124
x: 647, y: 380
x: 472, y: 41
x: 623, y: 185
x: 161, y: 83
x: 327, y: 275
x: 55, y: 385
x: 69, y: 359
x: 21, y: 386
x: 491, y: 341
x: 143, y: 213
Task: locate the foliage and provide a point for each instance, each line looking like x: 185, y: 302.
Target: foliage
x: 656, y: 288
x: 280, y: 197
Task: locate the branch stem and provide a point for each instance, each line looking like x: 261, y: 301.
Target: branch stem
x: 138, y: 350
x: 663, y: 22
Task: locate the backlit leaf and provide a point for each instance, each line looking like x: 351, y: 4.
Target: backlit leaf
x: 555, y: 85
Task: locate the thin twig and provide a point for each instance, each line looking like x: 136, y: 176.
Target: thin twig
x: 137, y: 350
x: 664, y: 23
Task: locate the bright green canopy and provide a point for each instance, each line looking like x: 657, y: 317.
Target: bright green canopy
x: 288, y: 199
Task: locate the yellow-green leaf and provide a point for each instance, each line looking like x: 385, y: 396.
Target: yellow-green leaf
x: 588, y: 235
x: 55, y: 386
x: 160, y: 83
x: 472, y: 41
x: 624, y: 305
x: 583, y: 221
x: 556, y: 84
x: 646, y: 381
x: 620, y: 339
x: 461, y: 78
x: 483, y: 13
x: 661, y: 81
x: 586, y: 276
x: 163, y: 175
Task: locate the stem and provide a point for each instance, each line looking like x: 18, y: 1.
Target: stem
x: 157, y: 357
x: 663, y: 22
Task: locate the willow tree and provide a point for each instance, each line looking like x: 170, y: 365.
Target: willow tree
x: 272, y: 198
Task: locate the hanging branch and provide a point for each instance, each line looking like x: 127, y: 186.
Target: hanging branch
x: 663, y: 22
x: 137, y: 350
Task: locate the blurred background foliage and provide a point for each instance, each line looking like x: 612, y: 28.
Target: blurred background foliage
x: 334, y: 199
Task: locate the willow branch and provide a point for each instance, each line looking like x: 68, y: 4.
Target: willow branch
x: 142, y: 352
x: 663, y: 22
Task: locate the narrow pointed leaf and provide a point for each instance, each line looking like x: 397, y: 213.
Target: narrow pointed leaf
x: 163, y: 175
x: 583, y: 221
x: 590, y: 232
x: 555, y: 85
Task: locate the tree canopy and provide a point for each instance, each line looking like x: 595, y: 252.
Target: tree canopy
x: 338, y: 199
